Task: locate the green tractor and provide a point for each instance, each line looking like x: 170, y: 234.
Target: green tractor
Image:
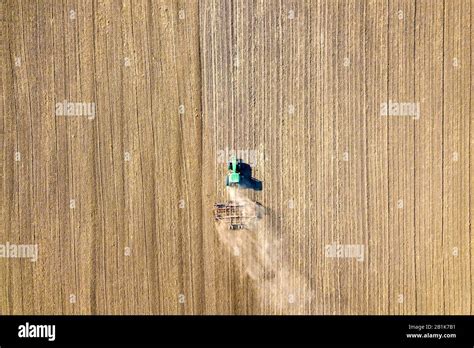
x: 233, y: 178
x: 240, y: 175
x: 239, y: 215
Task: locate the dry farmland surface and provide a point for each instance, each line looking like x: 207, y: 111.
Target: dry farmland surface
x: 356, y: 115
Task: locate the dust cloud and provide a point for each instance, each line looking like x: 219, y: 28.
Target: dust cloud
x: 260, y: 251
